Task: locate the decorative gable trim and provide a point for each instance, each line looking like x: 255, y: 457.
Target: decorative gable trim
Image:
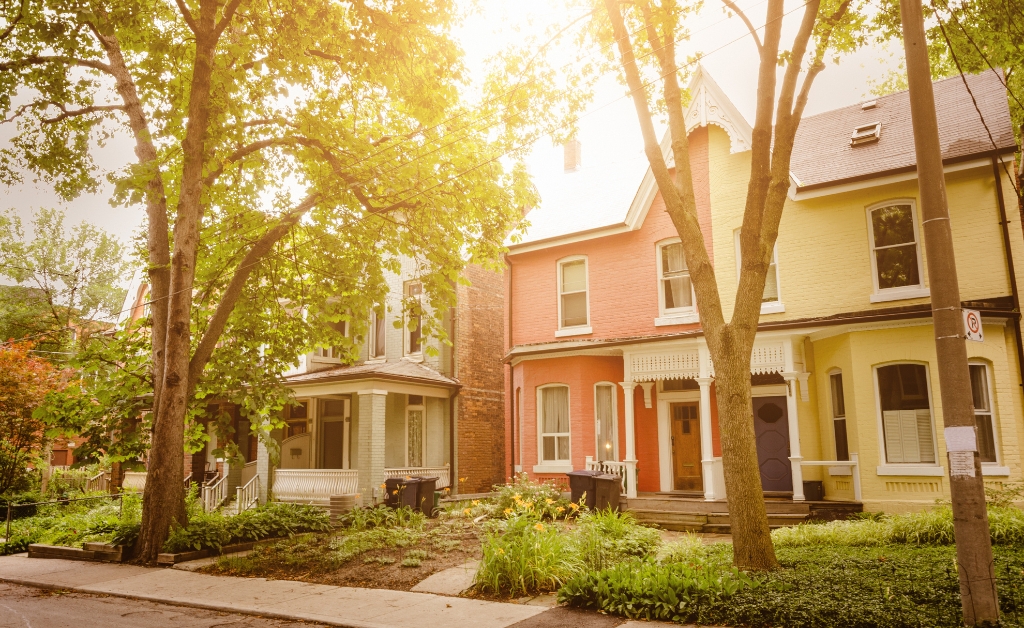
x: 710, y: 105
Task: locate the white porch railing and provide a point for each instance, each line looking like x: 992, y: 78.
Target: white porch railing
x: 443, y: 474
x: 215, y: 493
x: 247, y: 496
x: 314, y: 486
x: 841, y: 468
x: 610, y: 467
x: 98, y: 482
x: 134, y: 481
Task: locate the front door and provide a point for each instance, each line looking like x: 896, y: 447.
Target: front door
x: 686, y: 467
x: 334, y: 444
x: 771, y: 427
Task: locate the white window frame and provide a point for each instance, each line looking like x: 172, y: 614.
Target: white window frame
x: 407, y: 349
x: 676, y: 315
x: 991, y: 468
x: 422, y: 407
x: 552, y: 466
x: 832, y: 413
x: 574, y: 330
x: 597, y: 424
x: 771, y: 307
x: 905, y: 468
x: 880, y: 295
x: 370, y: 349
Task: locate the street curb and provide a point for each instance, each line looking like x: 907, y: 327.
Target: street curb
x: 210, y: 607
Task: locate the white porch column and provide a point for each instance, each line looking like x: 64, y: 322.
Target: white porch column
x: 630, y: 460
x: 795, y: 459
x: 707, y: 453
x: 372, y: 409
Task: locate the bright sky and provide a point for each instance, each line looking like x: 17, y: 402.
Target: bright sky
x: 609, y: 132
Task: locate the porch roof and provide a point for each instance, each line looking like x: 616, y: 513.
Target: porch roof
x: 397, y: 370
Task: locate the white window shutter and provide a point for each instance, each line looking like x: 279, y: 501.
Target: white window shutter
x: 893, y: 440
x: 911, y: 441
x: 924, y: 435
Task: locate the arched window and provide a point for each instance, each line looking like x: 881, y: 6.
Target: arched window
x: 981, y: 395
x: 553, y: 419
x: 839, y: 415
x: 904, y: 401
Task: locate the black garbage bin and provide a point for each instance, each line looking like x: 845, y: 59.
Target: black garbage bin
x: 607, y: 489
x: 814, y: 490
x: 400, y: 492
x: 581, y: 482
x: 425, y: 495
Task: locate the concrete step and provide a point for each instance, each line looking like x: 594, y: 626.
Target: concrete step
x: 773, y: 519
x: 699, y: 506
x: 671, y: 520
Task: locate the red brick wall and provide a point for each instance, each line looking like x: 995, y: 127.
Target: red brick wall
x: 482, y: 455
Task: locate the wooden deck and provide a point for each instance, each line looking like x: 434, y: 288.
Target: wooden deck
x: 682, y: 511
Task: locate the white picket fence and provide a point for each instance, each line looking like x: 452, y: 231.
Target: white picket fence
x: 314, y: 486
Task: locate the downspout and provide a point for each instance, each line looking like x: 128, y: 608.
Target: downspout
x: 511, y: 384
x: 1009, y: 263
x: 453, y: 470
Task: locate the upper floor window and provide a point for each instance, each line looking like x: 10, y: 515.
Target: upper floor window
x: 770, y: 296
x: 573, y: 306
x: 413, y: 332
x: 895, y: 258
x: 334, y: 352
x: 982, y: 398
x: 378, y: 333
x: 553, y: 402
x: 906, y: 413
x: 839, y: 416
x: 675, y: 288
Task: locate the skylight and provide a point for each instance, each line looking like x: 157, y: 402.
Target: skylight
x: 866, y: 134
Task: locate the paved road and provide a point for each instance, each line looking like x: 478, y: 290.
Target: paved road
x: 28, y: 607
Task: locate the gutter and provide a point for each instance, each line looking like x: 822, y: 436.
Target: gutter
x: 511, y: 374
x: 1004, y: 223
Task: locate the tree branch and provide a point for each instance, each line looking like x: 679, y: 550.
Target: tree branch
x: 73, y: 113
x: 229, y: 13
x: 234, y: 288
x: 187, y: 14
x: 10, y: 27
x: 44, y: 59
x: 743, y: 16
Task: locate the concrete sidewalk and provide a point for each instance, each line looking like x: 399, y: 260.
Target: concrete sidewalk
x: 283, y: 599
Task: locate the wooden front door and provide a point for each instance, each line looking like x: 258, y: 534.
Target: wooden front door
x: 771, y: 427
x: 334, y: 444
x: 686, y: 467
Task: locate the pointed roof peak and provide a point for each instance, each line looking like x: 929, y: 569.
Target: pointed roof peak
x: 710, y: 105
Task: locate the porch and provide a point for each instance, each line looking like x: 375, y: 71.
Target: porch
x: 317, y: 486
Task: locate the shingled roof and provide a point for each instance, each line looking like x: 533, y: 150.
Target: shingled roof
x: 398, y: 370
x: 823, y: 156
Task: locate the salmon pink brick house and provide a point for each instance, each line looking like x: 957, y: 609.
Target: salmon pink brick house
x: 609, y: 369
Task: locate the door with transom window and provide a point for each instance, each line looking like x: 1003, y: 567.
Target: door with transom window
x: 686, y: 467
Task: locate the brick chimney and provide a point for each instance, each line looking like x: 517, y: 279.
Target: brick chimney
x: 572, y: 155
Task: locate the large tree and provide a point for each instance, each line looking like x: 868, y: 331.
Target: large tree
x: 645, y: 35
x: 288, y: 154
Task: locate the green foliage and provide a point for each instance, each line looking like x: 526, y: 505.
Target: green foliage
x: 647, y: 590
x: 72, y: 524
x: 605, y: 538
x: 688, y: 549
x: 383, y: 517
x: 930, y: 527
x: 524, y: 496
x: 215, y: 530
x: 410, y: 561
x: 525, y: 555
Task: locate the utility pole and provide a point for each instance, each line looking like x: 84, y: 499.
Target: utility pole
x: 970, y: 518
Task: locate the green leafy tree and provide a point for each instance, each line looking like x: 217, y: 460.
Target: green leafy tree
x: 288, y: 155
x: 645, y: 34
x: 68, y: 281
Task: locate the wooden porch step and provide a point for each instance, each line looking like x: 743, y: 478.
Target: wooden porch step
x: 671, y: 520
x: 777, y: 519
x: 699, y: 506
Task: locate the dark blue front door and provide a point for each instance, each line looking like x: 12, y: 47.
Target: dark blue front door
x: 771, y: 427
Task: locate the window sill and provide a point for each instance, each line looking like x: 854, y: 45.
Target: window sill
x: 911, y: 469
x: 687, y: 318
x: 416, y: 357
x: 375, y: 361
x: 773, y: 307
x: 987, y: 468
x: 899, y: 294
x: 552, y: 467
x: 574, y: 331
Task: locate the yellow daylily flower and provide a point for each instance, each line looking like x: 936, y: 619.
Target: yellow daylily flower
x: 539, y: 526
x: 549, y: 501
x: 476, y: 502
x: 466, y: 512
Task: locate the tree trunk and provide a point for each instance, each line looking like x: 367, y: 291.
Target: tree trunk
x: 748, y: 519
x: 45, y: 469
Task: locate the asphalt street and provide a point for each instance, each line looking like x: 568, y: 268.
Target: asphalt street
x: 28, y: 607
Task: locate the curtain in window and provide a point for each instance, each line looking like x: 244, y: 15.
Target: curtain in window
x: 415, y: 438
x: 771, y: 284
x: 605, y: 425
x: 983, y: 413
x: 379, y: 336
x: 676, y: 278
x: 555, y: 408
x: 574, y: 293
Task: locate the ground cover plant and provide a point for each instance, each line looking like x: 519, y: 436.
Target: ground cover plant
x: 74, y: 523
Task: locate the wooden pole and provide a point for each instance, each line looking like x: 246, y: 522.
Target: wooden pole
x: 970, y: 518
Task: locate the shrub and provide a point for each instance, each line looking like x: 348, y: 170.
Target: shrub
x: 215, y: 530
x: 651, y: 591
x: 204, y: 531
x: 526, y: 556
x: 383, y: 517
x: 688, y: 549
x: 605, y: 538
x: 524, y: 496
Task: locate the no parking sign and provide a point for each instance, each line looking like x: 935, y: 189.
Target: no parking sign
x: 972, y: 326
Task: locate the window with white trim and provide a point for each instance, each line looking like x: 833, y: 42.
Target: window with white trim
x: 981, y: 395
x: 413, y: 318
x: 553, y: 416
x: 605, y: 423
x: 895, y: 258
x: 333, y: 352
x: 378, y: 333
x: 770, y: 295
x: 906, y: 414
x: 674, y: 286
x: 573, y: 306
x: 839, y: 416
